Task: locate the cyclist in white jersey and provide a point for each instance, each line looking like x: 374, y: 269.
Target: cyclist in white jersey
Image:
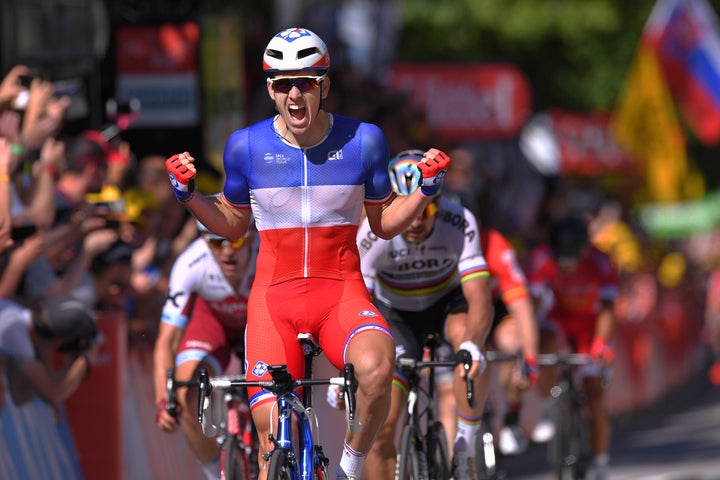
x: 431, y: 278
x: 203, y: 322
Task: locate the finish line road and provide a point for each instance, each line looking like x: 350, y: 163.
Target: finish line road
x: 676, y: 439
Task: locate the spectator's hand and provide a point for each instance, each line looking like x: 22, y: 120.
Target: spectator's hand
x: 10, y: 86
x: 10, y: 126
x: 99, y: 241
x: 181, y: 169
x: 335, y: 397
x: 601, y: 352
x: 433, y: 167
x: 52, y: 155
x: 29, y: 250
x: 163, y: 419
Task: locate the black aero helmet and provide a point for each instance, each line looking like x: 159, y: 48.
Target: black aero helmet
x: 568, y: 237
x: 65, y: 317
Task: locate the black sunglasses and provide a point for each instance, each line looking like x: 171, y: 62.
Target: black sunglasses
x: 304, y: 84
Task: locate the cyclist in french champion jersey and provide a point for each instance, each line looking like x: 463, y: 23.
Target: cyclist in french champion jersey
x: 203, y: 323
x: 583, y: 285
x: 431, y: 278
x: 305, y: 175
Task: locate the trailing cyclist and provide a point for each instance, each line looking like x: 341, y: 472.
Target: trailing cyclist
x: 432, y: 277
x: 583, y: 284
x: 203, y: 322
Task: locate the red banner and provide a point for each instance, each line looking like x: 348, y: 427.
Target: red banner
x: 467, y: 101
x: 565, y: 143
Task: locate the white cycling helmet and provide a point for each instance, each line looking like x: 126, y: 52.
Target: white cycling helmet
x: 404, y: 171
x: 296, y: 49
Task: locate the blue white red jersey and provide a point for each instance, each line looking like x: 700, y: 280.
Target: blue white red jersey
x: 413, y: 276
x: 307, y: 202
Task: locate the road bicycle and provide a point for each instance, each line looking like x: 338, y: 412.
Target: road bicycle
x: 292, y: 458
x: 234, y: 434
x: 423, y: 452
x: 569, y: 451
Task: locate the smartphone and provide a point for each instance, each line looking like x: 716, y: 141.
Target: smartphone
x: 26, y: 80
x: 21, y: 233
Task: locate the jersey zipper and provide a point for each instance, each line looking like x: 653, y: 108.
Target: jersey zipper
x: 305, y: 213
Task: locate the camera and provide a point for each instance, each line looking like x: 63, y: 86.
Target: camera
x: 20, y: 233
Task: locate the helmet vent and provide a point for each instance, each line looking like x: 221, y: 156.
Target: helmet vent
x: 274, y: 53
x: 306, y: 52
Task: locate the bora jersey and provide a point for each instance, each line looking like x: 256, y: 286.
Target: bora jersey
x: 307, y: 202
x: 413, y: 276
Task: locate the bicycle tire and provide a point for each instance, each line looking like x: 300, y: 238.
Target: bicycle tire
x: 411, y: 464
x: 234, y: 460
x: 278, y: 469
x: 438, y: 457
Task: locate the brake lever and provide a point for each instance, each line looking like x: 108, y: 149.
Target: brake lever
x: 464, y: 357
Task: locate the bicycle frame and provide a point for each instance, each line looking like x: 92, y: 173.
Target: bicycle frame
x: 288, y: 406
x: 569, y: 450
x: 423, y: 445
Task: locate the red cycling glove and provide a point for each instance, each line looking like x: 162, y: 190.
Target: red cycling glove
x: 601, y: 351
x: 433, y: 168
x: 181, y: 178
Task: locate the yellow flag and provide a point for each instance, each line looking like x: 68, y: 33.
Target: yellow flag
x: 646, y: 125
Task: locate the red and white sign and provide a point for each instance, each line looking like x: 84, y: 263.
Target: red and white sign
x: 158, y: 65
x: 467, y: 101
x: 562, y: 142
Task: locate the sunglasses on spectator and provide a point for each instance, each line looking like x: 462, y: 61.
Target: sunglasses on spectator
x: 429, y: 211
x: 219, y: 243
x: 304, y: 84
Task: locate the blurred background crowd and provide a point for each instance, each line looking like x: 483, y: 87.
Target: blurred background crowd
x: 95, y: 95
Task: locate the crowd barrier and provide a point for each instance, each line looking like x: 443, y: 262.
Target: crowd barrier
x: 106, y: 429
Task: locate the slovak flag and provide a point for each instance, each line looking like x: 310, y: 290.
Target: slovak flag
x: 684, y: 35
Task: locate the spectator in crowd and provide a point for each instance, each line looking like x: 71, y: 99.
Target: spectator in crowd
x: 31, y: 339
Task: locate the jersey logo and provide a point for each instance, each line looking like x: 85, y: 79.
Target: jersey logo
x: 173, y: 298
x: 292, y: 34
x: 368, y: 313
x: 260, y: 369
x: 335, y: 155
x: 277, y: 158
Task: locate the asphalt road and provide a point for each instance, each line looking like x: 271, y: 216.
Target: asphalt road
x: 678, y: 438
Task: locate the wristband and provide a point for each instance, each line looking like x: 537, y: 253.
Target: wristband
x: 431, y: 189
x: 50, y: 168
x: 17, y: 149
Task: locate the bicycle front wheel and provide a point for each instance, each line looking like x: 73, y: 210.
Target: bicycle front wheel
x: 234, y: 460
x: 437, y: 453
x: 411, y: 459
x: 279, y: 468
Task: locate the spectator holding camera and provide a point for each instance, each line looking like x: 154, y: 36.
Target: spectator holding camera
x: 30, y: 340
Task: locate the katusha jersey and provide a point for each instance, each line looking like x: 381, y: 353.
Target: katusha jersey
x: 507, y: 280
x: 577, y: 297
x: 307, y: 202
x: 197, y: 273
x: 412, y: 277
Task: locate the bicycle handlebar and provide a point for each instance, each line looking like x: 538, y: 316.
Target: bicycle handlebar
x: 282, y: 384
x: 569, y: 359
